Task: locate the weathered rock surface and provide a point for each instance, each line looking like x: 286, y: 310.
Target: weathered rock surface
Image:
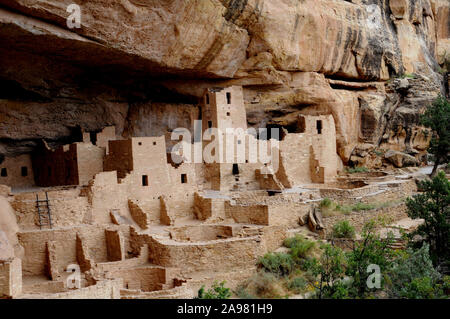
x: 9, y: 244
x: 400, y: 159
x: 142, y: 65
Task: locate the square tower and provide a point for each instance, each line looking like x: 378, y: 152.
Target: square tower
x: 224, y: 108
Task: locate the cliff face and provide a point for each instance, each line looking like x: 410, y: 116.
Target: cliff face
x: 142, y: 65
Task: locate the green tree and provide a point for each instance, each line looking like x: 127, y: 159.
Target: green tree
x: 327, y: 272
x: 433, y: 205
x: 370, y: 250
x: 413, y: 276
x: 437, y: 117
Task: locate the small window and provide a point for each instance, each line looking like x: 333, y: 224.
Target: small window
x: 239, y: 142
x: 209, y: 124
x: 24, y: 171
x: 144, y: 180
x: 319, y: 127
x: 183, y: 178
x: 228, y: 113
x: 140, y: 143
x: 4, y: 172
x: 154, y: 143
x: 93, y: 137
x: 228, y: 97
x: 235, y: 169
x: 207, y: 98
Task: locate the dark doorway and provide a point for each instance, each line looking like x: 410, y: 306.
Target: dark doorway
x: 24, y: 171
x: 4, y: 172
x: 144, y: 180
x: 229, y: 98
x: 319, y: 127
x: 93, y: 137
x: 235, y: 169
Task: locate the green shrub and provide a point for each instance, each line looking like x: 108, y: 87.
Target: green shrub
x: 217, y: 291
x: 300, y: 247
x: 344, y: 209
x: 343, y: 229
x: 413, y: 276
x: 360, y: 169
x: 298, y: 284
x: 243, y: 293
x: 279, y: 264
x: 265, y: 284
x: 326, y: 202
x: 363, y: 206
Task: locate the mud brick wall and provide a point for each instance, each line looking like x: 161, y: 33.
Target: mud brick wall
x: 201, y: 233
x: 143, y: 278
x: 287, y: 214
x: 67, y: 208
x: 252, y: 214
x: 12, y: 167
x: 34, y: 243
x: 10, y: 278
x: 105, y: 289
x: 217, y: 255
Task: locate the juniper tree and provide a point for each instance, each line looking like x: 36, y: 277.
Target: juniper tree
x: 437, y: 118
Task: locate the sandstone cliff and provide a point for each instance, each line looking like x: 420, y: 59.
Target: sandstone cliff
x: 141, y: 65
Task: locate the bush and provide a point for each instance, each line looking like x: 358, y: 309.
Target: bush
x: 422, y: 288
x: 326, y: 202
x: 298, y: 284
x: 412, y: 275
x: 300, y: 247
x: 217, y: 291
x: 279, y: 264
x: 266, y: 285
x: 343, y: 229
x: 362, y: 206
x: 344, y: 209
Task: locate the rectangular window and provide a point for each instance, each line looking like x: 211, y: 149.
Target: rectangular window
x: 319, y: 127
x: 24, y: 171
x: 229, y: 98
x: 228, y: 113
x: 209, y: 124
x: 235, y: 169
x: 207, y: 98
x: 144, y: 180
x: 183, y: 178
x: 93, y: 138
x: 4, y: 172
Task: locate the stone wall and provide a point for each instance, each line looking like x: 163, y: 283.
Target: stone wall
x: 34, y: 243
x: 10, y: 278
x: 17, y: 172
x: 68, y: 208
x: 105, y: 289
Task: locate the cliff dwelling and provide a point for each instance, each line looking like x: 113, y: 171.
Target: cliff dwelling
x: 165, y: 146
